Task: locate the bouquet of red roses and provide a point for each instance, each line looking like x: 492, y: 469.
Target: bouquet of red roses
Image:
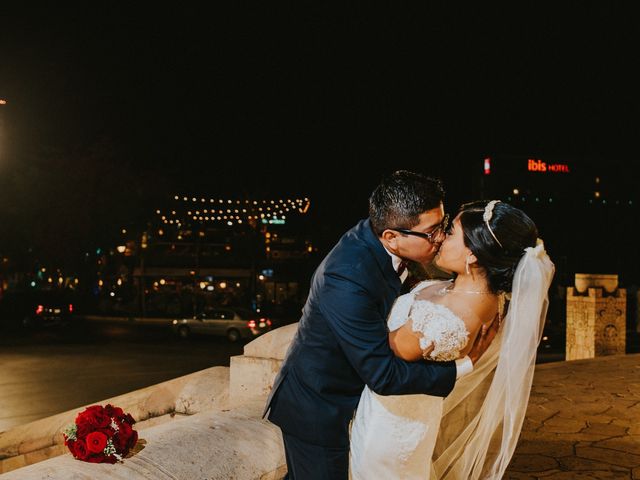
x: 101, y: 434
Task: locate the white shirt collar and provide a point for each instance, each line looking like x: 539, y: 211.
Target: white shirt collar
x: 395, y: 260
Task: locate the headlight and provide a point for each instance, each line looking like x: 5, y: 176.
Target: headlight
x: 175, y: 322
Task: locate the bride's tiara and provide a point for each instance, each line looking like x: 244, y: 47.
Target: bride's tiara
x: 486, y: 216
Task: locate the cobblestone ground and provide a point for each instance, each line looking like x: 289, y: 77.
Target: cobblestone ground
x: 583, y: 422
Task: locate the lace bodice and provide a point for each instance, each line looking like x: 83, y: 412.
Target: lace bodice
x: 435, y: 324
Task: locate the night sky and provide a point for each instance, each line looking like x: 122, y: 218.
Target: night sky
x: 111, y: 109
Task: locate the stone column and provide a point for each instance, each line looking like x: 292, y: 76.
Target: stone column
x: 596, y: 317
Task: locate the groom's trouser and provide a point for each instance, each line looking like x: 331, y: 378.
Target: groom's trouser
x: 313, y: 462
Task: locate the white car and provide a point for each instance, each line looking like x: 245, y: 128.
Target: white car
x: 232, y: 322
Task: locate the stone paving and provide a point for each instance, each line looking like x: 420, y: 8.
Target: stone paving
x: 583, y: 422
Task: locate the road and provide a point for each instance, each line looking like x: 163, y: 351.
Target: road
x: 51, y: 371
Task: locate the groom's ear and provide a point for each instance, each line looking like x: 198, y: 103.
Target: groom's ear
x: 391, y: 238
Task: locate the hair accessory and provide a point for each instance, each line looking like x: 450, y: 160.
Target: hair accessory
x: 486, y: 216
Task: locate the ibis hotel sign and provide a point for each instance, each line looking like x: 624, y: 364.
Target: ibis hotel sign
x: 536, y: 165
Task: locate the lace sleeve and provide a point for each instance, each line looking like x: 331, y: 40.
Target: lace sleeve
x: 438, y: 327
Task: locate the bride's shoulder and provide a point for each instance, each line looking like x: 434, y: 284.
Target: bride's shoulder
x: 428, y: 283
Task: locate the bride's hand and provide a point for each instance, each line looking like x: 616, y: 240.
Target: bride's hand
x: 483, y: 340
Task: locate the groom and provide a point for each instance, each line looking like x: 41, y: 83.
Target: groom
x: 341, y: 344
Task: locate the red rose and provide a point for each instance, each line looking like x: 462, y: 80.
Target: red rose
x: 97, y: 458
x: 126, y: 438
x: 110, y: 459
x: 88, y: 412
x: 132, y: 440
x: 96, y: 441
x: 84, y: 429
x: 80, y: 450
x: 125, y: 430
x: 113, y: 411
x: 95, y: 416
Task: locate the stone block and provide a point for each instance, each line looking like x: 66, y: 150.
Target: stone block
x: 273, y: 344
x: 251, y: 377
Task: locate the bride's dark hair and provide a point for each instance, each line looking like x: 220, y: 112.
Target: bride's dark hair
x: 514, y: 230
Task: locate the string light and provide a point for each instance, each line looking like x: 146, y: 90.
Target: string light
x: 271, y: 209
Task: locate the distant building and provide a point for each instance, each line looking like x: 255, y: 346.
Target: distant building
x: 197, y: 251
x: 585, y: 210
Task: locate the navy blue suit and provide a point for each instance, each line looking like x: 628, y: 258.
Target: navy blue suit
x: 342, y: 345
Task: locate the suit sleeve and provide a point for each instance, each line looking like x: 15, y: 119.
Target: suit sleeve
x: 354, y: 318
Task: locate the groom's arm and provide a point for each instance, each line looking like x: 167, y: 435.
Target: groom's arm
x: 353, y: 316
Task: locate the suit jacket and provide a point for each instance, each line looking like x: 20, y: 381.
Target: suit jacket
x: 342, y: 344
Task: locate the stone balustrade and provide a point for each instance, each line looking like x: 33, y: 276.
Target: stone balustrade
x: 204, y: 425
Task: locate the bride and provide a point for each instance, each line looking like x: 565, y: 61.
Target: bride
x: 493, y: 250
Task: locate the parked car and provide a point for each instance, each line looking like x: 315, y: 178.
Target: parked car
x: 233, y: 322
x: 37, y: 308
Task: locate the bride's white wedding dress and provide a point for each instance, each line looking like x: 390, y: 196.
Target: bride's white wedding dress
x: 473, y: 432
x: 394, y: 436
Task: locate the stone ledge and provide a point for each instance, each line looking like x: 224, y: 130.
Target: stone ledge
x: 204, y: 390
x: 214, y: 445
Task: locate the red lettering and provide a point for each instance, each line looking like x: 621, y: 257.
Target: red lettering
x: 537, y: 165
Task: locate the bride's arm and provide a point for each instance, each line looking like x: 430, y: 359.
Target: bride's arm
x: 406, y: 345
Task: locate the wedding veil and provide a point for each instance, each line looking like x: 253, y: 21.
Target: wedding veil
x: 483, y: 416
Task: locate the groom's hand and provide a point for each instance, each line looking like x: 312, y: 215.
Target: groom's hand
x: 483, y: 340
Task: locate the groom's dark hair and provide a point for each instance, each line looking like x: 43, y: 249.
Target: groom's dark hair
x: 400, y: 198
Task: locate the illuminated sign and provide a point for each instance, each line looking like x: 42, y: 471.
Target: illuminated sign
x: 274, y: 221
x: 487, y: 166
x: 536, y: 165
